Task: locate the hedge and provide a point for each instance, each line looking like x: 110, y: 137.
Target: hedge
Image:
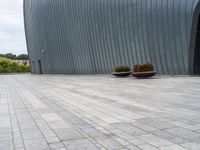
x: 11, y: 66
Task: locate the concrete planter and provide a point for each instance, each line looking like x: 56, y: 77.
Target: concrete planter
x: 144, y: 74
x: 121, y: 74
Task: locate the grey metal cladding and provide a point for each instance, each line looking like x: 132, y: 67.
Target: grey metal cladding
x: 92, y: 36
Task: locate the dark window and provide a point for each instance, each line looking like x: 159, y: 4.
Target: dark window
x: 40, y: 67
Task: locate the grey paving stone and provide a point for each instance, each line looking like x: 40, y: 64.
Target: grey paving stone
x: 122, y: 134
x: 173, y: 147
x: 18, y: 142
x: 24, y: 118
x: 114, y: 113
x: 147, y: 147
x: 109, y: 143
x: 5, y: 124
x: 154, y: 140
x: 157, y: 123
x: 51, y: 117
x: 80, y: 144
x: 136, y: 141
x: 68, y: 134
x: 80, y: 123
x: 5, y: 137
x: 52, y: 139
x: 39, y: 144
x: 32, y: 134
x: 6, y: 145
x: 122, y: 142
x: 191, y: 146
x: 5, y: 130
x: 60, y: 149
x: 28, y: 126
x: 171, y: 137
x: 92, y: 132
x: 56, y: 145
x: 144, y: 127
x: 185, y: 133
x: 187, y: 125
x: 132, y: 147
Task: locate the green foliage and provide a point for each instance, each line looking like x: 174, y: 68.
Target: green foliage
x: 10, y: 56
x: 121, y: 68
x: 15, y: 57
x: 10, y: 66
x: 22, y: 57
x: 143, y: 67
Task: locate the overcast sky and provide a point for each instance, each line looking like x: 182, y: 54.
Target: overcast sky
x: 12, y: 37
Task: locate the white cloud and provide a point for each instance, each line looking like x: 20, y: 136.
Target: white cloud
x: 12, y: 36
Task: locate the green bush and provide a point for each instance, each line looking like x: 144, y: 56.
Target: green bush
x: 10, y: 66
x: 121, y: 68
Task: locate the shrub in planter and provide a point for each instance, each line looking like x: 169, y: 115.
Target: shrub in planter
x: 143, y: 67
x: 143, y: 70
x: 121, y: 71
x: 121, y: 68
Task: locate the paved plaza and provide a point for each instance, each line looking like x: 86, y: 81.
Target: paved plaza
x: 92, y: 112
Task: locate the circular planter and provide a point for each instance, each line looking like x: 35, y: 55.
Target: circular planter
x: 144, y: 74
x: 121, y: 74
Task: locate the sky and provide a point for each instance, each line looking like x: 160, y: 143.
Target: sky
x: 12, y: 36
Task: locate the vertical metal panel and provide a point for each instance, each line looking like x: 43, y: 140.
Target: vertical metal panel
x: 92, y: 36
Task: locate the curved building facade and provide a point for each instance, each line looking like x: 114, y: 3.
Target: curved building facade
x: 92, y: 36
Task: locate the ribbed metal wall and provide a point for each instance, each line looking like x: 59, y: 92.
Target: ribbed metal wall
x: 92, y: 36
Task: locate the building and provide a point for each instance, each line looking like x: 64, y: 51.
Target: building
x: 92, y: 36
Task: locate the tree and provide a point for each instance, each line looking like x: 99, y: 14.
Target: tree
x: 10, y: 56
x: 22, y: 57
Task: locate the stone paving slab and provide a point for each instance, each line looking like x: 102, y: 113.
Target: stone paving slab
x: 99, y: 112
